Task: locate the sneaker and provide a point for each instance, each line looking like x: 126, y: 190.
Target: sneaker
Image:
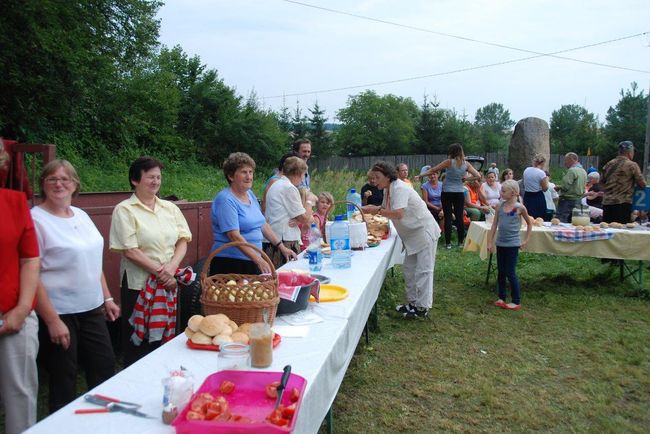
x: 417, y: 313
x: 448, y: 246
x: 404, y: 308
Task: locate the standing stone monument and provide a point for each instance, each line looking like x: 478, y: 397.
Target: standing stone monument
x: 531, y: 136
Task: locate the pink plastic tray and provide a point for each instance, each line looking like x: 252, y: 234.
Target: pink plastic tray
x: 248, y: 399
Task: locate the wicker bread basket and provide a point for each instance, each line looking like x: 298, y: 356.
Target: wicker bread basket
x: 242, y: 297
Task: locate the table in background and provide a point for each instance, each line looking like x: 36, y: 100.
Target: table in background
x: 322, y: 357
x: 626, y: 245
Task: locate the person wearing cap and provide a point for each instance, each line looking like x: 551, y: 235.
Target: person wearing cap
x: 572, y: 187
x: 619, y: 177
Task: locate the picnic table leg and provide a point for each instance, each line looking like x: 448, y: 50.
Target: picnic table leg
x: 329, y: 418
x: 489, y: 270
x: 621, y: 265
x: 640, y: 273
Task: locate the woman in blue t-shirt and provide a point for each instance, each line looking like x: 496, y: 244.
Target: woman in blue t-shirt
x: 431, y: 194
x: 236, y: 216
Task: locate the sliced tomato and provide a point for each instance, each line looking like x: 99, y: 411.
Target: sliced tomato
x: 198, y: 404
x: 226, y: 387
x: 272, y: 389
x: 276, y: 418
x: 193, y: 415
x: 289, y: 411
x: 295, y: 395
x: 207, y: 396
x: 210, y: 414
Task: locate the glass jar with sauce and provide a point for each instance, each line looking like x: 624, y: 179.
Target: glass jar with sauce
x: 261, y: 345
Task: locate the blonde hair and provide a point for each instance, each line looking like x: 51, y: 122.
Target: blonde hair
x: 327, y: 196
x: 539, y: 159
x: 52, y: 167
x: 510, y: 185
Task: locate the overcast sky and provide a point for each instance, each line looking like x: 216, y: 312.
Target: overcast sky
x: 276, y: 48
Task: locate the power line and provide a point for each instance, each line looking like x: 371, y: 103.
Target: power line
x: 478, y: 41
x: 454, y: 71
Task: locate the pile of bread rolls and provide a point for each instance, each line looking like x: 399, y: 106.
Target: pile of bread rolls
x: 216, y: 330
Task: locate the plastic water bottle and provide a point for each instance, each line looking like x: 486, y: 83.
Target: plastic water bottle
x: 353, y: 197
x: 340, y: 243
x: 314, y: 253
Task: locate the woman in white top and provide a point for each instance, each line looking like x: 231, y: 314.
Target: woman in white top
x: 419, y: 232
x: 73, y: 298
x: 491, y: 189
x: 535, y: 184
x: 284, y: 210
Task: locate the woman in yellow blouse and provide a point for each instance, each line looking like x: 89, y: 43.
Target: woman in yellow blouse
x: 152, y: 236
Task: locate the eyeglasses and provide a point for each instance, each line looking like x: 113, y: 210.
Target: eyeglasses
x: 53, y: 181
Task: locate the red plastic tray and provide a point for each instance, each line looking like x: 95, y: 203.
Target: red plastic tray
x: 276, y: 341
x: 248, y: 399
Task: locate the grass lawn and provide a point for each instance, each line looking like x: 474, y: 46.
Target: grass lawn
x: 576, y: 358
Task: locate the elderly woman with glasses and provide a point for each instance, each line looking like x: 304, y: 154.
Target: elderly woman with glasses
x: 73, y: 299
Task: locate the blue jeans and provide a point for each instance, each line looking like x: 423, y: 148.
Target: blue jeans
x: 506, y: 267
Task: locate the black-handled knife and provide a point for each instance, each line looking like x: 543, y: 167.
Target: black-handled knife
x: 283, y: 385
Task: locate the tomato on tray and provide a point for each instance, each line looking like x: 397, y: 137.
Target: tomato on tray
x: 228, y: 399
x: 226, y: 387
x: 272, y: 390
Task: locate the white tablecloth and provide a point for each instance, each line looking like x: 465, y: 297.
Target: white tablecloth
x: 322, y: 357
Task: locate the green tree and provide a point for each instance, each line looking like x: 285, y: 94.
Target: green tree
x: 458, y: 129
x: 574, y: 129
x: 299, y: 123
x: 429, y: 129
x: 319, y: 136
x: 626, y: 121
x: 64, y: 64
x: 493, y: 125
x: 377, y: 125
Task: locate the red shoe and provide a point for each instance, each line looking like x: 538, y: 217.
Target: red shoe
x: 500, y: 303
x: 515, y: 307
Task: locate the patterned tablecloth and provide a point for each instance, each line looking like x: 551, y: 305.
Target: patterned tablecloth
x: 627, y: 244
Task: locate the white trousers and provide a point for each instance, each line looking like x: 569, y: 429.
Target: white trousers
x: 18, y: 376
x: 418, y: 276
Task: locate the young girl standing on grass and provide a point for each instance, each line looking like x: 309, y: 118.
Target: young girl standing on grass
x: 507, y: 222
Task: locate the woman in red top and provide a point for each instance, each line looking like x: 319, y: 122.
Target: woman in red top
x: 18, y: 324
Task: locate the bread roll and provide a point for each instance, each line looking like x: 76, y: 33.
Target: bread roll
x: 245, y: 328
x: 221, y: 317
x: 189, y: 332
x: 194, y: 321
x: 201, y: 339
x: 221, y: 339
x: 240, y: 337
x: 555, y: 221
x: 233, y: 325
x: 212, y: 326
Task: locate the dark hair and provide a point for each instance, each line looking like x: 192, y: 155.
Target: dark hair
x: 235, y: 161
x: 283, y: 159
x: 141, y: 165
x: 385, y: 168
x: 504, y: 173
x: 295, y: 147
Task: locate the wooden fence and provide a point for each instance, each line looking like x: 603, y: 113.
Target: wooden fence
x: 415, y: 162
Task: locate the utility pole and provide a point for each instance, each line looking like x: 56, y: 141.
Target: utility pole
x: 646, y: 149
